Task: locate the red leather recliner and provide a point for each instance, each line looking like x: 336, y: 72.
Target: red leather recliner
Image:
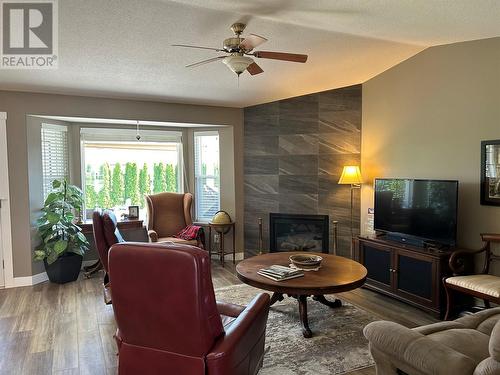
x: 168, y: 319
x: 106, y: 234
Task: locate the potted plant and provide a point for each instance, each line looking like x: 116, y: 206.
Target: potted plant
x: 62, y: 242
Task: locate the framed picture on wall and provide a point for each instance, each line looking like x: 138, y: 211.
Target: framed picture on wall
x: 490, y: 173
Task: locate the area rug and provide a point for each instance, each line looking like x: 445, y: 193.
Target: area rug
x: 337, y: 346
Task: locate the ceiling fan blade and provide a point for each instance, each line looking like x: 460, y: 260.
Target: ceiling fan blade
x: 194, y: 65
x: 294, y: 57
x: 254, y: 69
x: 189, y: 46
x: 252, y: 41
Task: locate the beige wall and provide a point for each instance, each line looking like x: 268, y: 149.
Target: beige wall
x: 18, y: 105
x: 425, y: 118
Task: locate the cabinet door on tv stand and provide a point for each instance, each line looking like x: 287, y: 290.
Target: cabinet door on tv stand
x: 416, y: 278
x: 378, y: 262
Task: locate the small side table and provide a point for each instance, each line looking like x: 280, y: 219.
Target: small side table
x: 222, y: 229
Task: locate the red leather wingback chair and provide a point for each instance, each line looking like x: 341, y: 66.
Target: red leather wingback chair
x: 168, y: 319
x: 106, y: 234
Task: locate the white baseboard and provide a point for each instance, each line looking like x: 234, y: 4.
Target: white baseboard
x: 40, y: 277
x: 30, y: 280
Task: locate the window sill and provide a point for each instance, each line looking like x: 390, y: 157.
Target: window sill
x: 201, y: 223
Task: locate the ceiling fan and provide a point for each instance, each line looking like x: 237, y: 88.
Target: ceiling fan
x: 239, y: 50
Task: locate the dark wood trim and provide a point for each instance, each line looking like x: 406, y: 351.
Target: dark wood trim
x: 88, y: 228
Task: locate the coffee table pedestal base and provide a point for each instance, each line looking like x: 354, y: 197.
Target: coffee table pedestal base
x: 302, y: 299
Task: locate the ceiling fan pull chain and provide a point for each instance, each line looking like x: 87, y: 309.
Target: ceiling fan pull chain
x: 138, y: 134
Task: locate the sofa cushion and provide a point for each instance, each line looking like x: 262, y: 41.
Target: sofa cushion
x: 487, y: 325
x: 467, y: 341
x: 486, y: 284
x: 437, y: 327
x: 483, y: 321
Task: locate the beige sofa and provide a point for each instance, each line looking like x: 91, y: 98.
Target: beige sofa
x: 469, y: 345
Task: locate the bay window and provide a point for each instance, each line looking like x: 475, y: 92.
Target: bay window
x: 118, y: 171
x: 206, y: 174
x: 55, y: 155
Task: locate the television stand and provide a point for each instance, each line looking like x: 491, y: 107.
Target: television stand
x: 408, y: 273
x: 404, y: 239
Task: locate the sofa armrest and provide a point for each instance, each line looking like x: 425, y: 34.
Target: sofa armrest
x: 487, y: 366
x: 153, y: 236
x: 242, y: 347
x: 416, y: 350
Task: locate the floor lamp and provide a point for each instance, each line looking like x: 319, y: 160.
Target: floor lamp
x: 351, y: 175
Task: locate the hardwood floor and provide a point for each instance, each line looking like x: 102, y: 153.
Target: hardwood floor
x: 67, y: 329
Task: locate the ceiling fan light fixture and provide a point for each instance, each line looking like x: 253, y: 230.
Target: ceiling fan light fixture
x: 238, y: 64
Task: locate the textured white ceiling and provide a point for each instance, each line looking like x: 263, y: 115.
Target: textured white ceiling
x: 420, y: 22
x: 122, y: 48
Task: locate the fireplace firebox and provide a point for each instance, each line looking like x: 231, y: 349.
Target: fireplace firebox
x: 294, y: 232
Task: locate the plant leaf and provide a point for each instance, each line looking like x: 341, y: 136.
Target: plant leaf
x: 53, y: 217
x: 56, y: 184
x: 81, y: 237
x: 52, y: 257
x: 40, y: 255
x: 51, y: 198
x: 60, y: 246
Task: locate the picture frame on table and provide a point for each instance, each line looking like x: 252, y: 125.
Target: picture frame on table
x: 133, y: 212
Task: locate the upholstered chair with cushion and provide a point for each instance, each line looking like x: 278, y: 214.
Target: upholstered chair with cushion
x: 106, y: 234
x: 168, y: 214
x: 466, y: 346
x: 168, y: 320
x: 481, y: 285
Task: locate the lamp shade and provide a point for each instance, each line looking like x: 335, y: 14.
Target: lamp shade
x: 237, y: 64
x: 351, y: 175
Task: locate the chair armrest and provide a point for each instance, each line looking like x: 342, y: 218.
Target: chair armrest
x: 458, y: 260
x: 153, y: 236
x: 490, y: 237
x: 416, y: 350
x: 229, y: 309
x: 239, y: 347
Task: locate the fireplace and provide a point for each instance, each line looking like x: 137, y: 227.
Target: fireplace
x: 292, y: 232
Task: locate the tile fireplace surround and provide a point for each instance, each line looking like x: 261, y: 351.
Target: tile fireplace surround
x: 294, y: 151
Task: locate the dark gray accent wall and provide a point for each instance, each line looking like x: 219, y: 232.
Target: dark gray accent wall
x: 294, y: 151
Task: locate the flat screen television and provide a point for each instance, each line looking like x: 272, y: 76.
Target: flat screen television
x: 423, y: 209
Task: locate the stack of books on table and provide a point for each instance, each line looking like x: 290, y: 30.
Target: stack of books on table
x: 280, y: 273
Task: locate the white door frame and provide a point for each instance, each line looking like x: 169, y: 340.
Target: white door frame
x: 5, y: 227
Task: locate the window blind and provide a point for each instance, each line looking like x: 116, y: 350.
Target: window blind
x: 128, y: 135
x: 207, y: 179
x: 55, y: 155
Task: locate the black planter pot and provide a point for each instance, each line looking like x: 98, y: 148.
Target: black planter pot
x: 65, y: 269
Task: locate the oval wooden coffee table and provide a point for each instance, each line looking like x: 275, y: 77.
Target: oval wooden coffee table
x: 336, y: 275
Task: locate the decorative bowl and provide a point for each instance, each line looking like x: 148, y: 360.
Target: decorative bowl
x: 306, y: 261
